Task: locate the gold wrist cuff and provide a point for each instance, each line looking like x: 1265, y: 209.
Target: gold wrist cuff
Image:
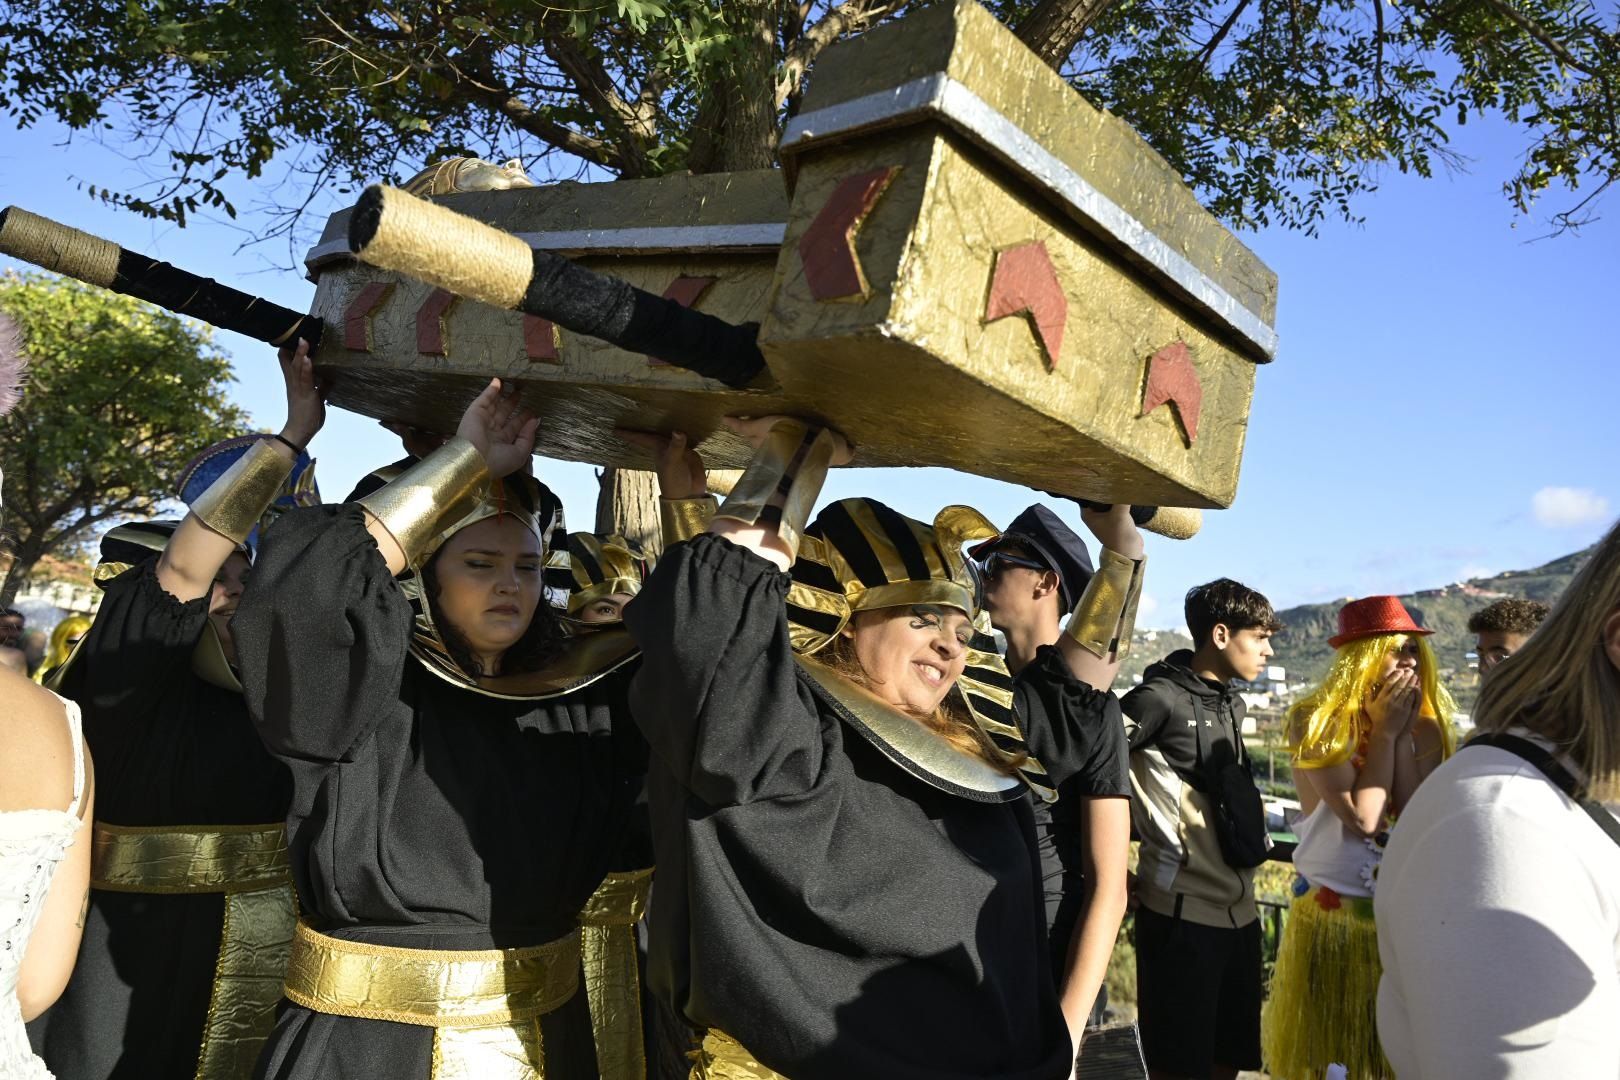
x: 1106, y: 614
x: 682, y: 519
x: 436, y: 492
x: 234, y: 503
x: 780, y: 485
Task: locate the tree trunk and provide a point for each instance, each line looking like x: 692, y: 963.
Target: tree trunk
x: 22, y: 564
x: 628, y: 505
x: 1055, y: 27
x: 745, y: 107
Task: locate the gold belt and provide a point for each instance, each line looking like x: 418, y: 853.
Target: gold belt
x: 248, y: 863
x: 484, y: 1005
x: 724, y: 1058
x: 607, y: 935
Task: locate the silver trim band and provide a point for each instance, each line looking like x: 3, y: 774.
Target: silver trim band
x: 762, y: 236
x: 959, y: 106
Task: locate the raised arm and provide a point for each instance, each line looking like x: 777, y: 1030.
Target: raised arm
x: 1363, y: 799
x: 222, y: 517
x: 1098, y: 635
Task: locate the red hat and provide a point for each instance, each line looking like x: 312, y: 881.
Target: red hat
x: 1374, y: 615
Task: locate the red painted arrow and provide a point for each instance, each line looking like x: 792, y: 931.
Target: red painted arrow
x: 1171, y: 377
x: 832, y: 268
x: 540, y: 339
x: 1025, y: 282
x: 357, y: 316
x: 685, y: 292
x: 430, y: 320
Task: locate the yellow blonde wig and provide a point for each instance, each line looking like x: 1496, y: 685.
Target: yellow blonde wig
x: 1325, y: 726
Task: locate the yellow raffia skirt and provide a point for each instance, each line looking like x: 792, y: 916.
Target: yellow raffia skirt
x: 1322, y: 1007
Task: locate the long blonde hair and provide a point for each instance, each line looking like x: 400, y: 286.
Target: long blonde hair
x: 1561, y: 684
x: 1325, y: 725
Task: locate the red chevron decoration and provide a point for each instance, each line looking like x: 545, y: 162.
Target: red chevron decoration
x: 540, y: 340
x: 832, y: 268
x: 357, y: 316
x: 1025, y: 282
x: 1171, y: 377
x: 685, y: 292
x: 430, y: 320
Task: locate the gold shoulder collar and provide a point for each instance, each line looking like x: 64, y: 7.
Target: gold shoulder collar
x: 907, y: 743
x: 585, y: 659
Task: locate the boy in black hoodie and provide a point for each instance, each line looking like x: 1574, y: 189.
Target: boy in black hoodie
x: 1197, y: 930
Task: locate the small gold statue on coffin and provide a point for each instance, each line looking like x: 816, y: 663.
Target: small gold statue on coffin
x: 961, y: 263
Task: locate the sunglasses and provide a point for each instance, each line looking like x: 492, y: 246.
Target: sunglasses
x: 997, y: 561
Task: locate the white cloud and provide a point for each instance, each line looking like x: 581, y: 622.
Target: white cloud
x: 1563, y: 507
x: 1146, y: 606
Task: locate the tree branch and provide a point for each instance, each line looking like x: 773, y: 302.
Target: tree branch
x: 1551, y: 44
x: 848, y: 18
x: 1054, y: 27
x: 489, y: 91
x: 596, y: 89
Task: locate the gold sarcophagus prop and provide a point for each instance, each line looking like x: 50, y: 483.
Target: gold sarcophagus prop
x: 962, y: 263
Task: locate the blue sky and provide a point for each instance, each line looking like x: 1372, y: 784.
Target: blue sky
x: 1443, y: 404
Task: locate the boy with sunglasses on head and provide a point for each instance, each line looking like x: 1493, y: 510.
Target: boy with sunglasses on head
x: 1035, y: 573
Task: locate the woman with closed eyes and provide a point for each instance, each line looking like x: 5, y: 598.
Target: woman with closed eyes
x: 463, y: 771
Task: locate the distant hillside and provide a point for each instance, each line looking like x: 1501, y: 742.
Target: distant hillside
x: 1303, y: 649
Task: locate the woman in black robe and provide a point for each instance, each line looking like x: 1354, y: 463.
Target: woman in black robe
x: 848, y: 879
x: 462, y: 774
x: 191, y: 907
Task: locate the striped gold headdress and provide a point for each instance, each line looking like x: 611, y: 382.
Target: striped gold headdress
x: 860, y: 555
x: 592, y: 566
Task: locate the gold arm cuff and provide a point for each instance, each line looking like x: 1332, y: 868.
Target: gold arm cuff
x: 724, y: 1058
x: 437, y: 491
x: 787, y: 472
x: 1106, y: 614
x: 235, y: 502
x: 682, y: 519
x: 168, y: 860
x: 431, y: 987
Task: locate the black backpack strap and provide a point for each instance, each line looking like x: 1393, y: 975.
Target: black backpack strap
x: 1553, y: 770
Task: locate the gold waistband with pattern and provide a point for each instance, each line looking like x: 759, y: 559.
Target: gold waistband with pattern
x: 724, y: 1058
x: 186, y: 859
x: 607, y: 935
x: 248, y: 864
x: 431, y: 987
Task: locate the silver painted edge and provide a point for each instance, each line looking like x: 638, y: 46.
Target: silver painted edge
x: 761, y: 236
x: 958, y: 105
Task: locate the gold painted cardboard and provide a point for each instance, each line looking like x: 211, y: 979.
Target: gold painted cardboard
x: 913, y: 372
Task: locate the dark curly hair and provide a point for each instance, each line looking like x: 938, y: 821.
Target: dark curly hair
x: 1514, y: 615
x: 541, y: 643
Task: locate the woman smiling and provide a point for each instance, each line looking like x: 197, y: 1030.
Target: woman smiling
x: 848, y: 879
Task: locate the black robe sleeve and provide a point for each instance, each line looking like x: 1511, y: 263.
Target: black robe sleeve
x: 717, y: 671
x: 139, y: 645
x: 322, y: 633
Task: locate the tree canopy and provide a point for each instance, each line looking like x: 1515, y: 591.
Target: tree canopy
x: 120, y: 396
x: 1278, y: 112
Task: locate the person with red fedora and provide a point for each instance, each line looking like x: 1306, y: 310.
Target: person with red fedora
x: 1362, y: 742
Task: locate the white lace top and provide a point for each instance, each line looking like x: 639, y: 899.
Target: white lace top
x: 32, y: 844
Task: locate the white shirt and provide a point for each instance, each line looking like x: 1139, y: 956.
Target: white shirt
x: 1498, y: 908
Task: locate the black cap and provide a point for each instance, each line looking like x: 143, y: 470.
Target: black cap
x: 1057, y: 545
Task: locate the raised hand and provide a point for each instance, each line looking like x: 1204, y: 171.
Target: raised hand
x: 1114, y: 529
x: 306, y: 397
x: 501, y: 429
x: 755, y: 428
x: 680, y: 470
x: 1395, y: 703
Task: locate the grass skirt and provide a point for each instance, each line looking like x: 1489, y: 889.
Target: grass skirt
x: 1323, y: 1001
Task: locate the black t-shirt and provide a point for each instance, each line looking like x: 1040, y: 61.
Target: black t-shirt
x: 1078, y: 733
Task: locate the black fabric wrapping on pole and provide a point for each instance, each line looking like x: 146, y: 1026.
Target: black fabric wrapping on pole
x: 601, y: 306
x: 218, y: 305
